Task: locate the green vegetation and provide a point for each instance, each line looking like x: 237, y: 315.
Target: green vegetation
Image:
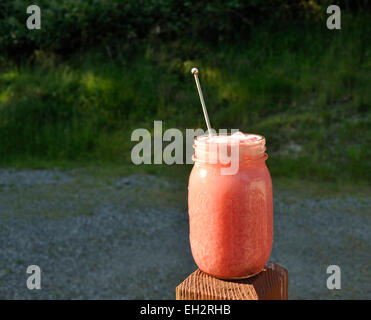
x: 303, y: 87
x: 71, y: 24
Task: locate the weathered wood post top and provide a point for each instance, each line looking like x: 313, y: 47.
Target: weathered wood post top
x: 269, y: 284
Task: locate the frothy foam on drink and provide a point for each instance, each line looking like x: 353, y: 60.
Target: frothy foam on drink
x: 245, y: 137
x: 235, y: 138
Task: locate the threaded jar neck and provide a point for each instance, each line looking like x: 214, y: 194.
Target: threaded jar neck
x: 219, y: 148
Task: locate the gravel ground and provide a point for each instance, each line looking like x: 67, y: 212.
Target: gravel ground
x: 127, y: 238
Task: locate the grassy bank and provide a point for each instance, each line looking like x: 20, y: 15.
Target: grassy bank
x: 305, y: 88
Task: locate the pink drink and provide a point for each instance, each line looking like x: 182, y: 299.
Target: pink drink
x: 231, y: 216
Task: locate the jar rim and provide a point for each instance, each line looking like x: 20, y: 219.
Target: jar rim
x: 249, y: 147
x: 263, y: 157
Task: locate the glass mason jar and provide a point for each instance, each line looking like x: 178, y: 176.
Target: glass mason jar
x: 230, y: 215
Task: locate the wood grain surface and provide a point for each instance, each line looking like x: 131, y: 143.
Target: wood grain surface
x: 269, y: 284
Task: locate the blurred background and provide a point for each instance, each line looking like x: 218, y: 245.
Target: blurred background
x: 72, y: 92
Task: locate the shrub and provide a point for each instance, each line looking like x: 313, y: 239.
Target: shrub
x: 72, y: 25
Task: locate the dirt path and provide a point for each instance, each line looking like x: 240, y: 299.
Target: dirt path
x: 127, y: 238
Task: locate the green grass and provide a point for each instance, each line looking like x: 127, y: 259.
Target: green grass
x: 306, y: 89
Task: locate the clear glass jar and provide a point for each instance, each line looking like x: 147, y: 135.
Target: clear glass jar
x: 230, y: 215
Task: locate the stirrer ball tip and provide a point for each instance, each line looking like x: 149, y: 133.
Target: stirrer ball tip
x: 194, y: 71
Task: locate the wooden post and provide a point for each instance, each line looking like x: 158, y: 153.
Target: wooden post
x: 270, y: 284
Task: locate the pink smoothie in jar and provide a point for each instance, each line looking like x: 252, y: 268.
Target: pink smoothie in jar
x: 230, y: 215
